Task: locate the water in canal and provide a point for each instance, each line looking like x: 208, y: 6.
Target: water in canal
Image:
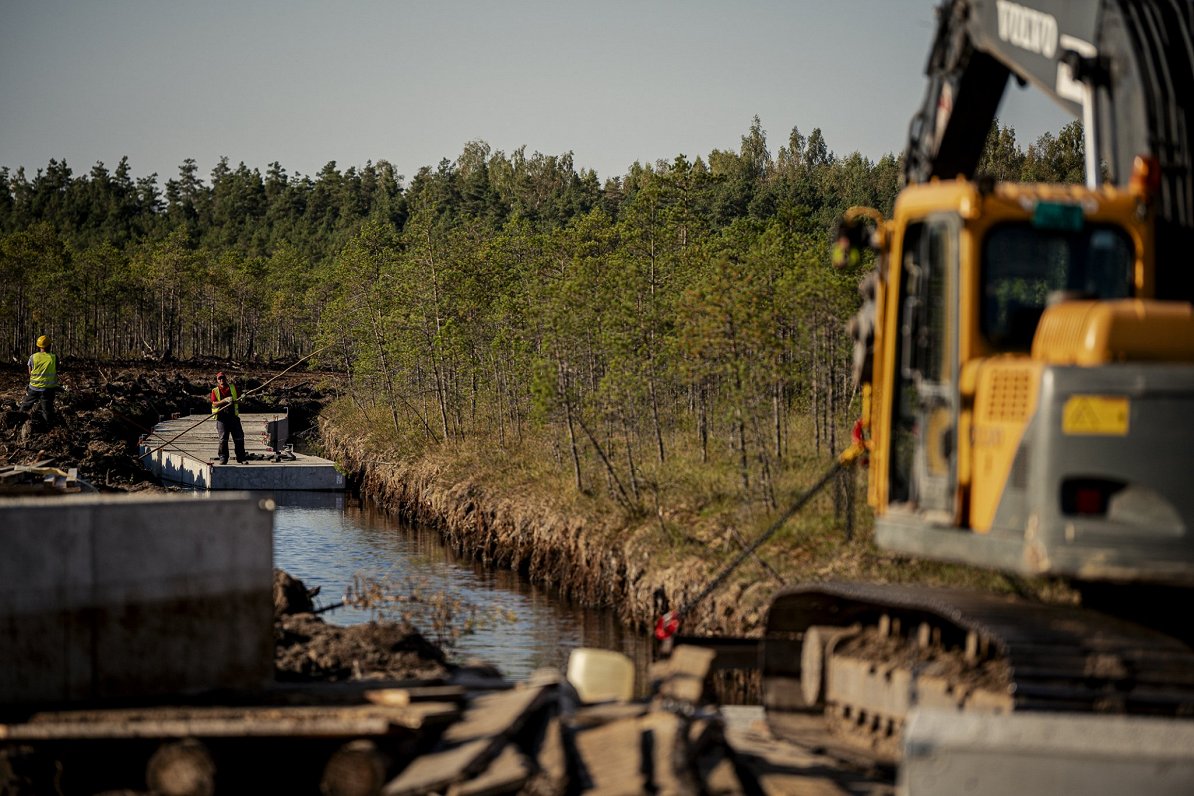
x: 325, y: 539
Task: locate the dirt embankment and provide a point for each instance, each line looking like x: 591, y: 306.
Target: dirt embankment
x: 617, y: 567
x: 104, y: 410
x: 308, y: 649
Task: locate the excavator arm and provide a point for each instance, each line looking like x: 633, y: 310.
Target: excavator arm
x: 1126, y: 67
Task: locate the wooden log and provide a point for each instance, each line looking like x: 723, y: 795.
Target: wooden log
x: 181, y: 768
x: 356, y: 769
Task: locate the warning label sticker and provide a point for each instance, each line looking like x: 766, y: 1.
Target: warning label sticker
x: 1095, y: 414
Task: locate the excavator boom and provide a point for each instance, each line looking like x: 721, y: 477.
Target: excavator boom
x: 1125, y: 67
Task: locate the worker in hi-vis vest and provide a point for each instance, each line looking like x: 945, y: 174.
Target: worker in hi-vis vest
x: 225, y: 406
x: 43, y: 381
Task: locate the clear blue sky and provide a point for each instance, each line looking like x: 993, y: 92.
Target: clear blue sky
x: 411, y: 81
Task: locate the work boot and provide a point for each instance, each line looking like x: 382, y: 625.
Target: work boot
x: 224, y: 460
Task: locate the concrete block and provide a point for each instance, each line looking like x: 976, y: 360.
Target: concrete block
x: 1045, y: 754
x: 114, y: 596
x: 183, y: 451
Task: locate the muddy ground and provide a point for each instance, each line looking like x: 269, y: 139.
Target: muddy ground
x: 308, y: 649
x: 104, y: 409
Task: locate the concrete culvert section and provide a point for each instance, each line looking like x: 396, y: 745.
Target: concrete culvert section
x: 121, y: 596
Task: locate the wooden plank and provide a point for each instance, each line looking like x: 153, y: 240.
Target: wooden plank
x: 721, y: 779
x: 508, y: 772
x: 682, y: 676
x: 352, y: 692
x: 609, y: 758
x: 400, y: 697
x: 311, y: 722
x: 545, y: 676
x: 730, y: 652
x: 248, y: 713
x: 637, y: 755
x: 467, y: 746
x: 552, y: 759
x: 203, y: 728
x: 665, y: 739
x: 435, y: 771
x: 603, y: 714
x: 712, y: 760
x: 501, y: 713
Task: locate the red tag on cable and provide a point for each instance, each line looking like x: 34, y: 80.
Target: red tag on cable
x: 667, y: 626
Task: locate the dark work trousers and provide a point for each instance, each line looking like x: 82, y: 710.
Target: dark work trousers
x: 46, y: 400
x: 226, y: 426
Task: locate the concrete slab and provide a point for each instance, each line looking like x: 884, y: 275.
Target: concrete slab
x: 1045, y: 754
x: 183, y: 451
x: 117, y: 596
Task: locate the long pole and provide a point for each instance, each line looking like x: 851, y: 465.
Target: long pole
x: 292, y: 367
x: 245, y: 395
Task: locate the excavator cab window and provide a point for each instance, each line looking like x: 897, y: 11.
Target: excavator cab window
x: 923, y: 461
x: 1027, y: 265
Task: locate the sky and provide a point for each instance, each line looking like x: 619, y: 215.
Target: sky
x: 412, y: 81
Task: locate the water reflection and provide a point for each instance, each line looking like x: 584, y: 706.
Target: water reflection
x: 325, y: 538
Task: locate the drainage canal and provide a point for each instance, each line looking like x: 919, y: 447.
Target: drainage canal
x: 328, y: 539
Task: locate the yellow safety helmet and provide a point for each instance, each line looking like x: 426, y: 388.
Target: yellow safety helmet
x: 43, y: 341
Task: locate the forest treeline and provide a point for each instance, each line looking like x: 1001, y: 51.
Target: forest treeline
x: 688, y: 299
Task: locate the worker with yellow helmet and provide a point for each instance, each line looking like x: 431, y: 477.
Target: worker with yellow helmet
x: 43, y: 381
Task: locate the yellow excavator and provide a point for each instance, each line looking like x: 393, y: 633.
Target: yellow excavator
x: 1026, y: 359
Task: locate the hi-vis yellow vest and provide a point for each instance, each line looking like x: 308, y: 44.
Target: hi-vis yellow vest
x: 44, y: 373
x: 215, y: 398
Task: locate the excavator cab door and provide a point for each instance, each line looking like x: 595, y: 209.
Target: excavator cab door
x: 924, y: 456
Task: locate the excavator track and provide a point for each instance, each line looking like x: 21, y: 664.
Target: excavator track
x: 863, y: 655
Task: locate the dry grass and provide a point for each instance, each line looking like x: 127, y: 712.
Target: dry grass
x: 518, y: 506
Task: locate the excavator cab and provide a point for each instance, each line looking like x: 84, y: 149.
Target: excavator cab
x: 1015, y: 421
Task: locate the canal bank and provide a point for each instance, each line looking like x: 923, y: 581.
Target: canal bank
x: 626, y: 564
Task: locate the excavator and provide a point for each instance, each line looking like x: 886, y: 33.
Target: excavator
x: 1026, y: 360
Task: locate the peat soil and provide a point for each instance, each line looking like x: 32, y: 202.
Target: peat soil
x: 307, y: 649
x: 104, y: 409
